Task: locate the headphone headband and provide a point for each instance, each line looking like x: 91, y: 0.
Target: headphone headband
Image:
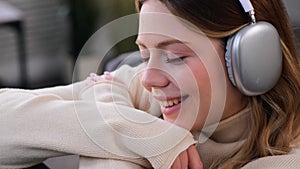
x: 248, y: 8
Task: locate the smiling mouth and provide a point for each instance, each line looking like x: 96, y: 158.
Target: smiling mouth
x: 173, y: 102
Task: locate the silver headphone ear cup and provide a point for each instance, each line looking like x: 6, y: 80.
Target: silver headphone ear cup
x: 254, y: 58
x: 228, y: 60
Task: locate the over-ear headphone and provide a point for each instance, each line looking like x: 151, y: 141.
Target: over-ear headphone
x: 253, y: 56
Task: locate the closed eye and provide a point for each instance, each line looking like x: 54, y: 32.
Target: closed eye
x: 177, y: 60
x: 145, y: 55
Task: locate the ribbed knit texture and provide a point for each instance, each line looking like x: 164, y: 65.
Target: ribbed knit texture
x: 100, y: 122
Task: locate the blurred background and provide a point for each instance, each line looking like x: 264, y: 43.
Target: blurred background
x: 40, y: 40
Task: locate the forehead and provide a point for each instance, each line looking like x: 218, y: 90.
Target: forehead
x: 157, y: 23
x: 156, y: 19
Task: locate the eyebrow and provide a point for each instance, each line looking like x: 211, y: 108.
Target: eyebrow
x: 162, y: 44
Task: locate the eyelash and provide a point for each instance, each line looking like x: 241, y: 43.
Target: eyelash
x: 176, y: 60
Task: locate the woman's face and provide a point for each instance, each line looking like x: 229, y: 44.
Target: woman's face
x: 184, y: 70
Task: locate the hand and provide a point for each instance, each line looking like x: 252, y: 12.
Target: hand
x: 93, y: 78
x: 188, y: 159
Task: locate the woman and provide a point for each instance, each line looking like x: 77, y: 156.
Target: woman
x: 274, y: 116
x: 185, y: 72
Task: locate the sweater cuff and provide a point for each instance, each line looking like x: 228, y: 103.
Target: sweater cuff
x: 165, y: 161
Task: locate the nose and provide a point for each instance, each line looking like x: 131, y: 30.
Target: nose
x: 153, y: 78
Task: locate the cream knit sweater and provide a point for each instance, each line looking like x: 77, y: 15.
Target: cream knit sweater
x: 111, y: 124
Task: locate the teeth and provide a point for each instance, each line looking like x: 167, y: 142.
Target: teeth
x: 170, y: 103
x: 176, y: 101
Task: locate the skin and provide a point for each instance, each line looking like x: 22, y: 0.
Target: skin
x: 182, y: 71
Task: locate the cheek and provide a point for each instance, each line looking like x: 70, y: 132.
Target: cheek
x: 212, y: 81
x: 204, y: 87
x: 201, y: 78
x: 202, y: 94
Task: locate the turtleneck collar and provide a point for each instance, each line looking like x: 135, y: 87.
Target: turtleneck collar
x: 227, y: 138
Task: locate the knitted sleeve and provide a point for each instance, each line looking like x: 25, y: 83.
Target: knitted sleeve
x: 129, y: 114
x: 67, y: 92
x: 36, y: 125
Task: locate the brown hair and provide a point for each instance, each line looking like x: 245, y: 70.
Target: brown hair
x: 275, y: 117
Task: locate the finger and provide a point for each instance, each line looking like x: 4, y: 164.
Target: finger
x: 194, y: 158
x: 184, y: 162
x: 176, y: 164
x: 107, y: 75
x: 92, y: 78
